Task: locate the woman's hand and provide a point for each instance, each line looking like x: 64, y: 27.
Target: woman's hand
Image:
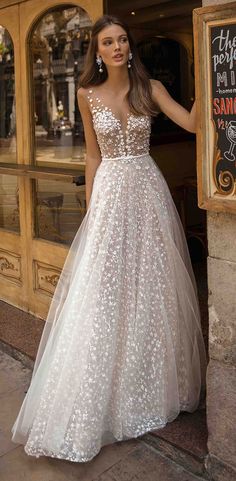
x: 173, y: 110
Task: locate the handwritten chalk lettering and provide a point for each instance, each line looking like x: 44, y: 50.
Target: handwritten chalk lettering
x: 233, y: 78
x: 225, y: 91
x: 226, y: 106
x: 222, y: 124
x: 228, y: 46
x: 227, y: 57
x: 225, y: 42
x: 223, y: 78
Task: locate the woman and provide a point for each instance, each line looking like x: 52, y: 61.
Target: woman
x: 122, y: 351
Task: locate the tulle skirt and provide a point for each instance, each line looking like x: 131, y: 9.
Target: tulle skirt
x: 122, y: 350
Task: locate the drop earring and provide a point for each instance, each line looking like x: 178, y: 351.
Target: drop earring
x: 99, y: 62
x: 129, y: 58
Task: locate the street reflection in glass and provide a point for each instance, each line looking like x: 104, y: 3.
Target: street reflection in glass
x: 58, y: 46
x: 60, y: 209
x: 7, y: 99
x: 9, y: 203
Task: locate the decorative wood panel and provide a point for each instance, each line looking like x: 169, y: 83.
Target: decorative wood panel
x: 10, y: 266
x: 45, y: 277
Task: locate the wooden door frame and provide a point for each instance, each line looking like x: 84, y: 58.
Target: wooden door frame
x: 12, y: 245
x: 34, y: 252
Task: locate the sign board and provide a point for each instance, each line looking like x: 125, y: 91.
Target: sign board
x: 215, y: 80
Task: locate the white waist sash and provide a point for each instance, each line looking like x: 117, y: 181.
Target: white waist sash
x: 126, y: 157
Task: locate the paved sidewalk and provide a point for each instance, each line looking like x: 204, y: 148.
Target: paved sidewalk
x: 132, y: 460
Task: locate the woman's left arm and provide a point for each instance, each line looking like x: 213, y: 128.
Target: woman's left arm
x: 173, y: 109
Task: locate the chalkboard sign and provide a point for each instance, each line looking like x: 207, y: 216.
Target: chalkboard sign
x: 223, y: 68
x: 215, y: 76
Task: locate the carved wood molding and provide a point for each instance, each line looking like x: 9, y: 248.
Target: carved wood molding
x: 45, y: 277
x: 10, y: 266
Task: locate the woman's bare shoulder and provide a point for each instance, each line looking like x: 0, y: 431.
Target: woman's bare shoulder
x: 156, y: 84
x: 82, y: 92
x: 159, y: 91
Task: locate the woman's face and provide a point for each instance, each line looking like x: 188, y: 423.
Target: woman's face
x: 113, y: 45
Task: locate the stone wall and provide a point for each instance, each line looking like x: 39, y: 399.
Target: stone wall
x: 221, y: 374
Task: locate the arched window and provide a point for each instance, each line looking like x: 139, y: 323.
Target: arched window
x: 9, y: 214
x: 7, y: 98
x: 58, y: 44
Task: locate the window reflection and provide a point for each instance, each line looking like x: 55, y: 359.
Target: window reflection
x: 7, y: 99
x: 58, y: 46
x: 60, y: 209
x: 9, y: 203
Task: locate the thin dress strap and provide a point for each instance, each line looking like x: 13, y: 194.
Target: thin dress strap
x: 90, y: 99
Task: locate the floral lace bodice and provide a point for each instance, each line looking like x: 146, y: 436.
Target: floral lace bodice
x: 114, y: 139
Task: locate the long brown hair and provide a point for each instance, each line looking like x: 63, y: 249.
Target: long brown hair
x: 139, y: 95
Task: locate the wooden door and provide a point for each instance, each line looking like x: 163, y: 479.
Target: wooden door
x: 41, y: 144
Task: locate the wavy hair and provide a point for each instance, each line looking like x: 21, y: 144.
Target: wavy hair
x: 140, y: 94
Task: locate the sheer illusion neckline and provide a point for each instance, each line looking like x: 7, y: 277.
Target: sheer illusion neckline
x: 126, y: 132
x: 123, y: 126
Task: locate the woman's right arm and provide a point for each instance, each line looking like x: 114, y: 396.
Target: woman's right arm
x: 93, y: 154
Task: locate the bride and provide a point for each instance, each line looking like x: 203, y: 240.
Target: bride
x: 122, y: 351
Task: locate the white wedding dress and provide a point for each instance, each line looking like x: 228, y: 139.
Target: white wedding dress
x: 122, y: 351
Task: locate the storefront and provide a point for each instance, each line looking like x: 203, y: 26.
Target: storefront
x: 42, y: 46
x: 41, y: 136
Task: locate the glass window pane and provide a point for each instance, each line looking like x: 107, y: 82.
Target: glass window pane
x: 7, y: 99
x: 59, y: 210
x: 58, y: 45
x: 9, y: 203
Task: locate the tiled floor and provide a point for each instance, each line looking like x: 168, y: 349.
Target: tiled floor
x: 133, y: 460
